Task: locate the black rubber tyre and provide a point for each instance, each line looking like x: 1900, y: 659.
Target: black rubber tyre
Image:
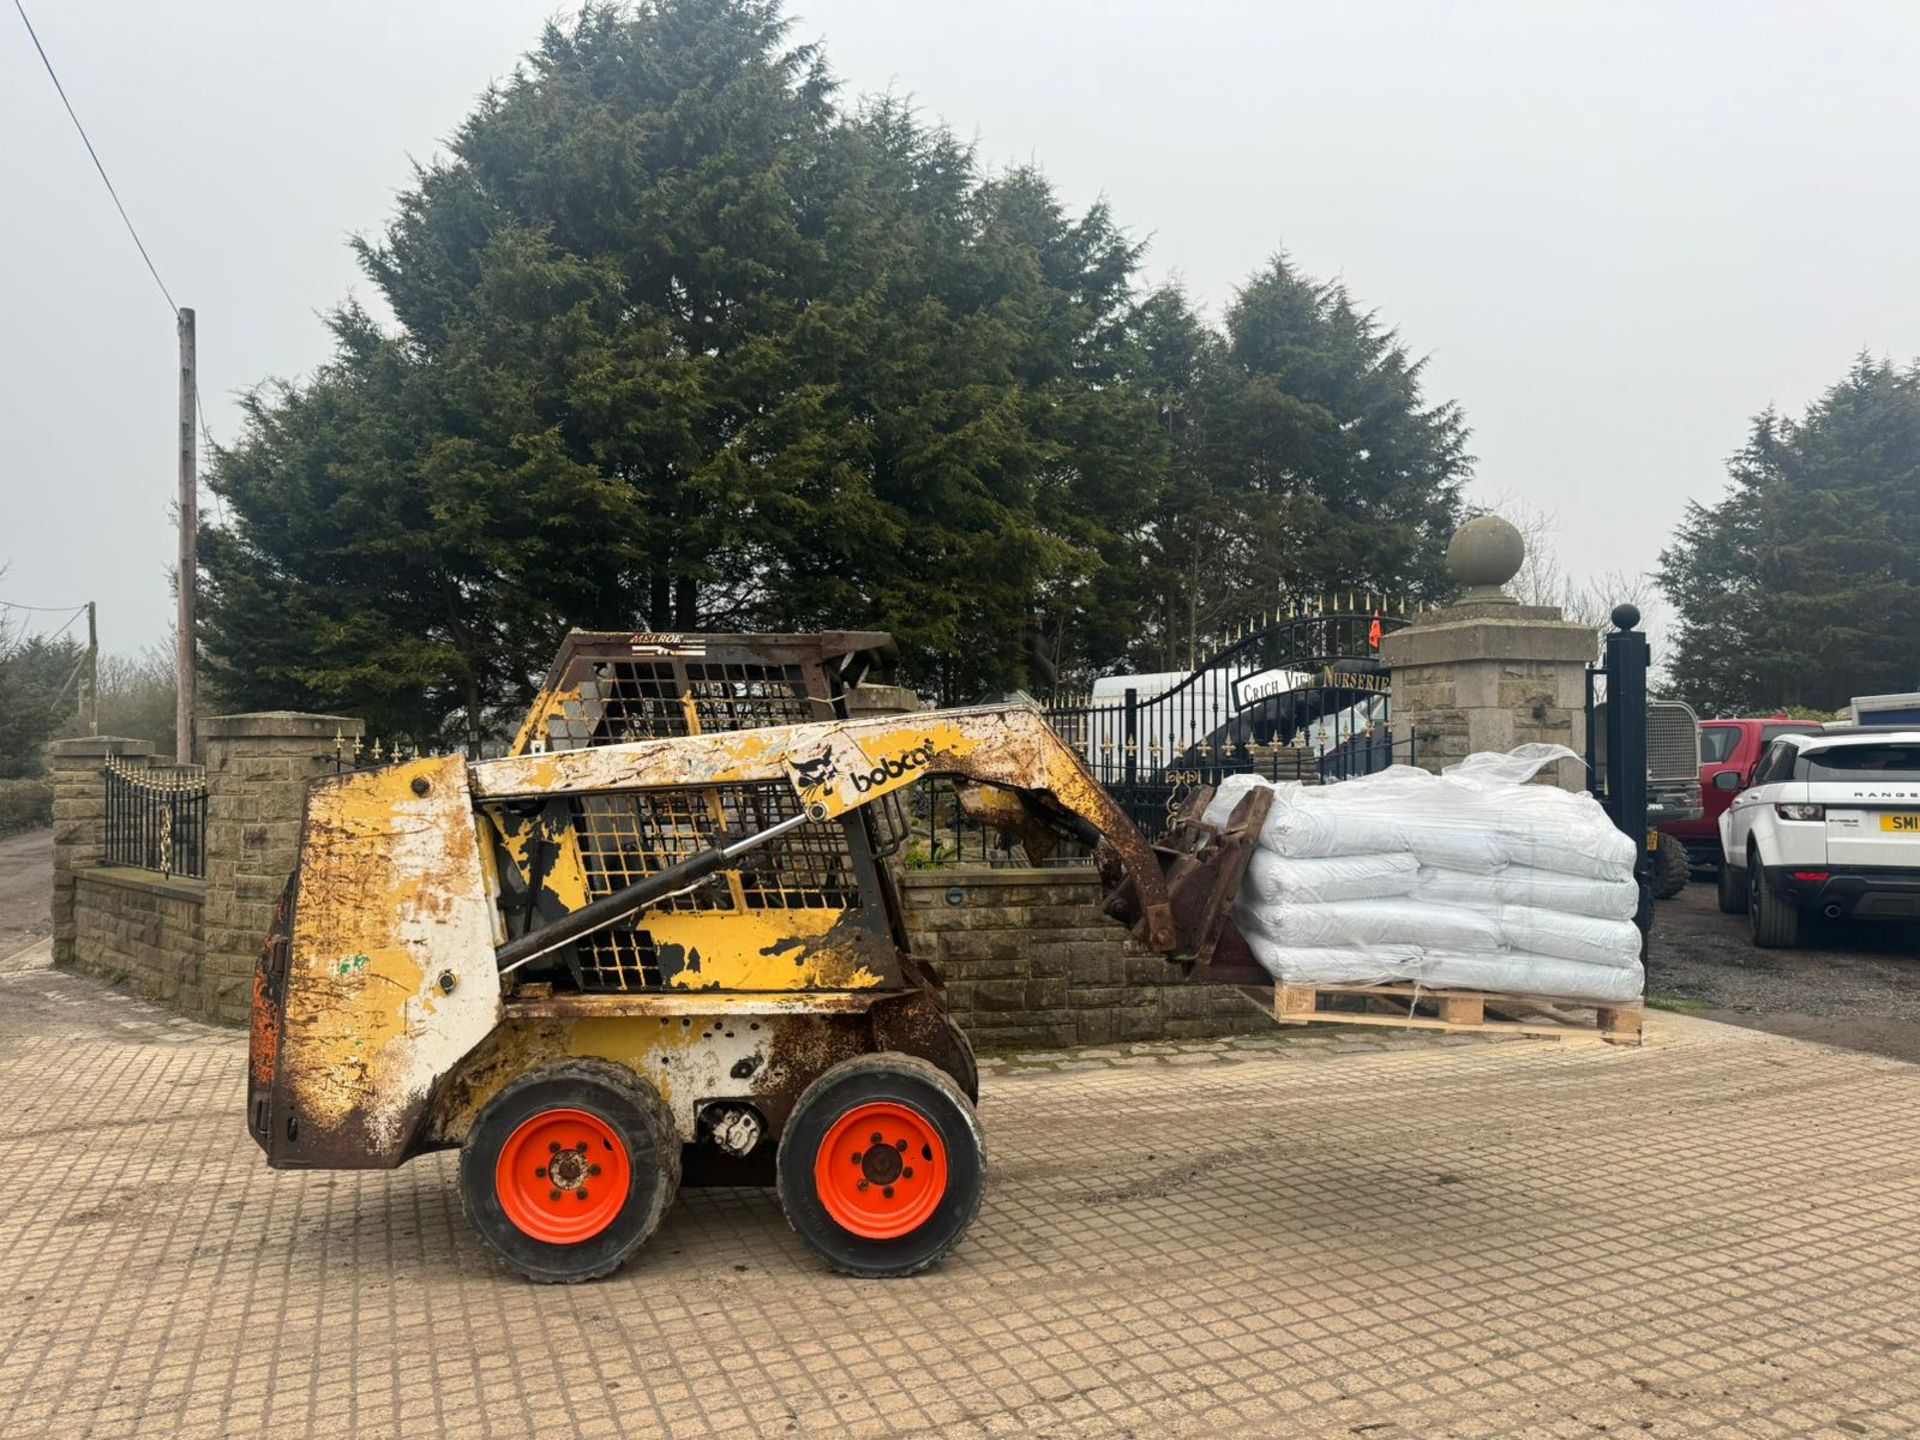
x: 1670, y: 870
x: 1771, y: 919
x: 1733, y: 890
x: 869, y: 1080
x: 628, y: 1107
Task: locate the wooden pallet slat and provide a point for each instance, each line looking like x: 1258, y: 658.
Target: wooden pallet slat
x: 1460, y: 1012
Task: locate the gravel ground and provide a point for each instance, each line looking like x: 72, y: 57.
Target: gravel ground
x: 1854, y: 984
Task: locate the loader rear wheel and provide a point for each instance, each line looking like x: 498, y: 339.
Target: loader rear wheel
x: 882, y: 1166
x: 569, y: 1170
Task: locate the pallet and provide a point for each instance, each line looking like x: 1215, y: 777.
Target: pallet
x: 1461, y: 1012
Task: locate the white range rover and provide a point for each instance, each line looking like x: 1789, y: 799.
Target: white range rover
x: 1828, y: 822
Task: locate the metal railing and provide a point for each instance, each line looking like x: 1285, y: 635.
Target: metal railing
x: 156, y: 818
x: 936, y: 833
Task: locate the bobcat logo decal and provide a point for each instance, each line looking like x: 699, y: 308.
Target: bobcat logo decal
x: 817, y: 773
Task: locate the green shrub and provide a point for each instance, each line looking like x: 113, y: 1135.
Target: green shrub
x: 25, y: 805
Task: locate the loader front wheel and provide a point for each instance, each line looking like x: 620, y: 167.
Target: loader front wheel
x: 569, y: 1169
x: 882, y: 1166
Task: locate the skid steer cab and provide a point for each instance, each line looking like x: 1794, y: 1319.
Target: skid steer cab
x: 658, y: 943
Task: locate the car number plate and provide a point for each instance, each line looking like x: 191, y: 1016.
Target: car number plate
x: 1908, y: 824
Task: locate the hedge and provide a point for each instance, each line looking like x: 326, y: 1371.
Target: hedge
x: 25, y: 805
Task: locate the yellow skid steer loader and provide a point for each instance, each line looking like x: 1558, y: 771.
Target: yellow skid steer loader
x: 658, y: 941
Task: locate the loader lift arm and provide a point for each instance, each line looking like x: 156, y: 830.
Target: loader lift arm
x: 835, y: 767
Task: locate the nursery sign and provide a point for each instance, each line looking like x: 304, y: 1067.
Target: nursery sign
x: 1249, y: 690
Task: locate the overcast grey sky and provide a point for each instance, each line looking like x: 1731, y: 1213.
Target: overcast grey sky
x: 1618, y: 229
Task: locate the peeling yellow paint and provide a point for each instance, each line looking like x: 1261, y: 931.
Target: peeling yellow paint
x: 393, y: 898
x: 761, y: 950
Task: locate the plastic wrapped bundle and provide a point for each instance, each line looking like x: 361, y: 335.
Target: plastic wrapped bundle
x: 1472, y: 880
x: 1450, y: 824
x: 1340, y: 877
x: 1581, y: 938
x: 1391, y: 921
x: 1509, y: 972
x: 1615, y: 899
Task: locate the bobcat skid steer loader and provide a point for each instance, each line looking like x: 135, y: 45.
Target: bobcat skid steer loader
x: 657, y: 941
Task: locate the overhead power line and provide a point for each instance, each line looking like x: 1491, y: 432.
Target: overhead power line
x: 206, y: 431
x: 104, y: 178
x: 41, y: 609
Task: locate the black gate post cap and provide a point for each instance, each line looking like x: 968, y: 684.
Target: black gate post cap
x: 1625, y: 617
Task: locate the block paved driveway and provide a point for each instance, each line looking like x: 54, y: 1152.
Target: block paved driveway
x: 1716, y: 1235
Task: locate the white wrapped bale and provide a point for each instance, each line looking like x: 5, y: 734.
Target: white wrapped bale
x: 1472, y: 823
x: 1391, y: 921
x: 1509, y: 972
x: 1523, y: 885
x: 1518, y: 888
x: 1570, y: 937
x: 1340, y: 877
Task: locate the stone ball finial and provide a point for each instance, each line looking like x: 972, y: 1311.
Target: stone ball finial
x: 1484, y: 554
x: 1625, y: 617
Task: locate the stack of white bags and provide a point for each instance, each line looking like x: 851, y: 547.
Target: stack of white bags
x: 1469, y: 880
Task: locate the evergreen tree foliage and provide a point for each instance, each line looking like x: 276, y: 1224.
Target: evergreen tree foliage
x: 1304, y: 458
x: 681, y: 342
x: 36, y: 696
x: 1801, y: 586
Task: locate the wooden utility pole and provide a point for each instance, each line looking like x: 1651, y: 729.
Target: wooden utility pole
x: 189, y: 566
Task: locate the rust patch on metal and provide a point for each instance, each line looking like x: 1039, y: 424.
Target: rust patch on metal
x: 391, y: 976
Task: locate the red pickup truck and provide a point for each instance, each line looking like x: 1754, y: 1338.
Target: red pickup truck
x: 1726, y: 746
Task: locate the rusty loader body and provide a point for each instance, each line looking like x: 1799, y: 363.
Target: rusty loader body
x: 658, y: 941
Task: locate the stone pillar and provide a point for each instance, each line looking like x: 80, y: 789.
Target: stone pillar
x: 258, y: 770
x: 79, y: 818
x: 1489, y: 673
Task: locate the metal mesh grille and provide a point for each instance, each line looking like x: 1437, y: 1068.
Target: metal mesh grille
x: 626, y: 700
x: 622, y: 958
x: 1672, y: 743
x: 746, y: 697
x: 636, y: 699
x: 624, y: 838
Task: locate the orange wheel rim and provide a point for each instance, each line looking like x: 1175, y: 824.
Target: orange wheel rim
x: 881, y: 1171
x: 562, y: 1176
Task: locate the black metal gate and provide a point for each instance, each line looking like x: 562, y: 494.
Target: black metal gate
x: 1296, y: 695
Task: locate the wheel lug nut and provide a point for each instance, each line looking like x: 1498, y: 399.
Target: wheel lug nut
x: 901, y: 1146
x: 861, y: 1186
x: 539, y: 1172
x: 876, y: 1137
x: 593, y: 1169
x: 888, y: 1192
x: 581, y: 1147
x: 907, y: 1174
x: 553, y: 1194
x: 858, y: 1157
x: 553, y: 1147
x: 581, y: 1192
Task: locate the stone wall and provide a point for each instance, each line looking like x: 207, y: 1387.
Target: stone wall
x: 79, y: 820
x: 141, y: 929
x: 1030, y: 962
x: 192, y: 944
